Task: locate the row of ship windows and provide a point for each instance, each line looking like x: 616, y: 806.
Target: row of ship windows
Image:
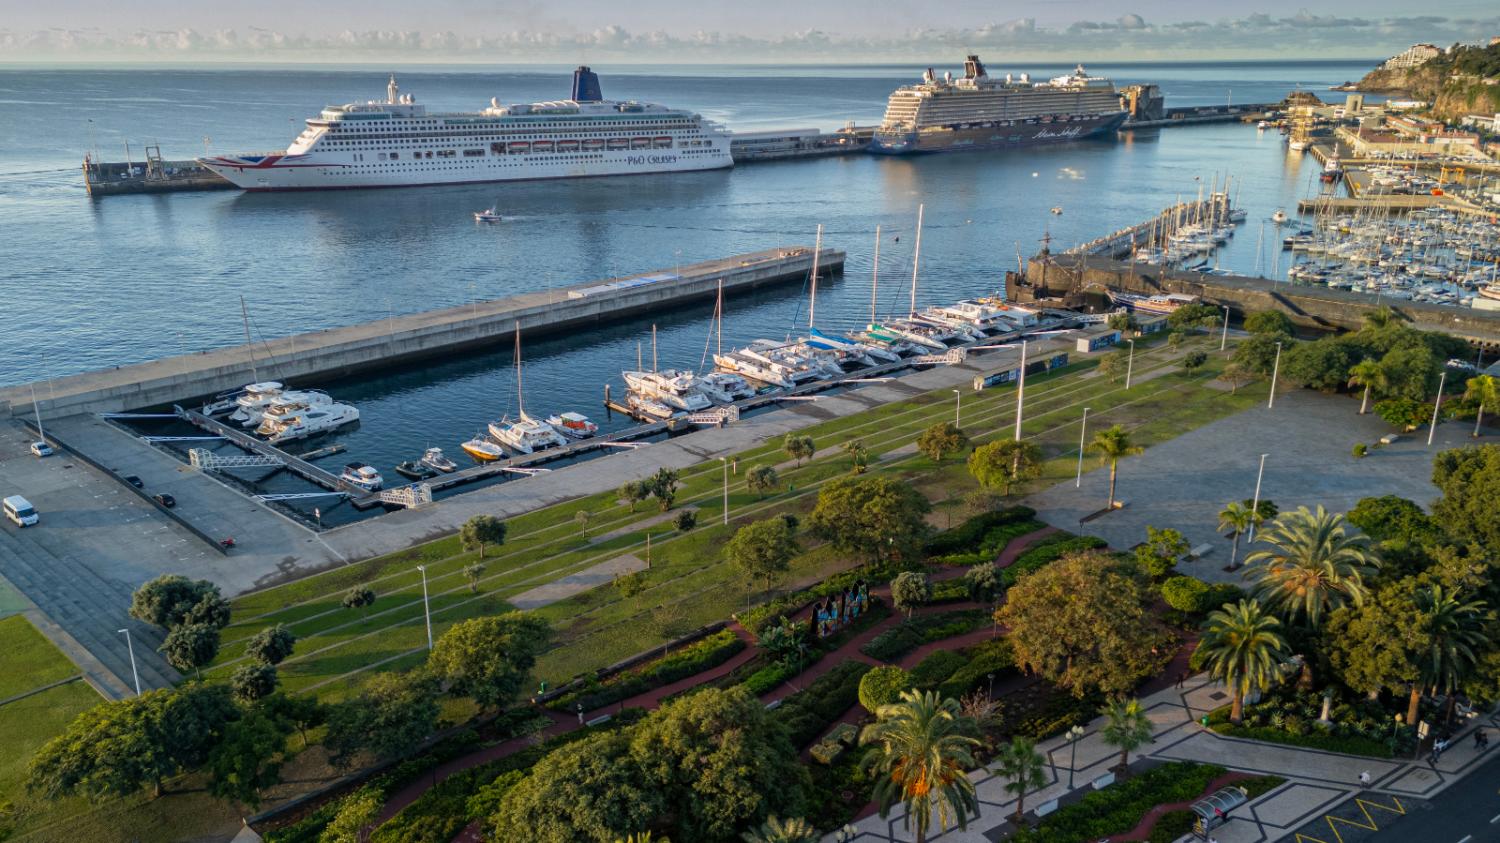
x: 524, y: 148
x: 437, y: 165
x: 340, y: 137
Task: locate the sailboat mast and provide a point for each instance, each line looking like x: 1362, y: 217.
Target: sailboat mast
x: 875, y: 275
x: 653, y: 348
x: 520, y: 402
x: 719, y: 314
x: 245, y: 319
x: 916, y: 259
x: 812, y: 304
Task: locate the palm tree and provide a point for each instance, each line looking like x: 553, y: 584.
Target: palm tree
x: 1369, y: 374
x: 1020, y: 763
x: 920, y: 747
x: 1243, y: 648
x: 1237, y: 518
x: 1128, y: 727
x: 1455, y: 630
x: 1113, y: 445
x: 1314, y: 565
x: 775, y: 830
x: 1486, y: 390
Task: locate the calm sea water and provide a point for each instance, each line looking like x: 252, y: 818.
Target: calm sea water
x: 98, y: 283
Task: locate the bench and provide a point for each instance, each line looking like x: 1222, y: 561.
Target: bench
x: 1200, y: 551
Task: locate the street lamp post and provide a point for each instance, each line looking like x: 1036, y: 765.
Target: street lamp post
x: 1020, y: 390
x: 1275, y: 370
x: 725, y: 461
x: 1224, y: 336
x: 1129, y: 363
x: 1073, y: 735
x: 1082, y: 433
x: 1437, y: 403
x: 426, y: 607
x: 1255, y: 504
x: 958, y: 400
x: 134, y: 674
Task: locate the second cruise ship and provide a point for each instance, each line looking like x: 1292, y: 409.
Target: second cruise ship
x: 397, y: 143
x: 980, y: 112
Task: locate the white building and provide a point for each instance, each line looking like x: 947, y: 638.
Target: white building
x: 1414, y: 56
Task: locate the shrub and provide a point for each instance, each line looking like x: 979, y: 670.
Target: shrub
x: 769, y: 677
x: 883, y: 686
x: 809, y: 711
x: 1361, y: 449
x: 1120, y: 807
x: 1171, y: 825
x: 898, y: 641
x: 1047, y: 551
x: 982, y: 583
x: 967, y: 536
x: 694, y: 658
x: 892, y: 644
x: 1185, y: 594
x: 909, y: 590
x: 949, y: 591
x: 990, y: 657
x: 936, y: 668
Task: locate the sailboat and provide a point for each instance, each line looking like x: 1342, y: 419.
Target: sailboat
x: 722, y: 387
x: 525, y: 434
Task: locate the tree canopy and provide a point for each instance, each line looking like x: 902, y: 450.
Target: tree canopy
x: 872, y: 516
x: 1469, y: 480
x: 762, y: 550
x: 271, y: 645
x: 168, y: 601
x: 940, y: 440
x: 490, y: 658
x: 392, y: 715
x: 1000, y: 464
x: 482, y: 530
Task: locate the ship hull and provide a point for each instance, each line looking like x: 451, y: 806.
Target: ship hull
x: 330, y: 172
x: 987, y: 137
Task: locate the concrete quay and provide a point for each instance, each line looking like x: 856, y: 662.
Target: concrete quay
x: 380, y: 344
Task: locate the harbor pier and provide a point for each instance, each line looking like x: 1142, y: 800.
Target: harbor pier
x: 339, y: 352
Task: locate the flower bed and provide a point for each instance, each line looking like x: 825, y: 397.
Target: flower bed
x: 1288, y: 717
x: 808, y: 713
x: 896, y: 642
x: 1042, y: 710
x: 1120, y: 807
x: 697, y: 657
x: 1047, y: 551
x: 994, y: 656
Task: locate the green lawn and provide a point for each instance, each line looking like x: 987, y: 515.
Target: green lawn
x: 27, y: 659
x: 28, y: 723
x: 596, y: 628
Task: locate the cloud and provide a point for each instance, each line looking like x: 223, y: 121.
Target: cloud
x: 1130, y: 36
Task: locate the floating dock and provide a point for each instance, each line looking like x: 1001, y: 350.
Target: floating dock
x: 151, y: 175
x: 784, y: 144
x: 339, y: 352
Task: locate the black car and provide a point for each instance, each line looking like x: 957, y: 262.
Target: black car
x: 165, y: 500
x: 134, y: 481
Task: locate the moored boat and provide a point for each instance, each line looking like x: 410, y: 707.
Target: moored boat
x: 362, y: 476
x: 435, y: 459
x: 573, y: 425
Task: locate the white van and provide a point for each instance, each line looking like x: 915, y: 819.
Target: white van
x: 19, y: 510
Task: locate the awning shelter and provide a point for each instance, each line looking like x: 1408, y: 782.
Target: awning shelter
x: 1213, y: 811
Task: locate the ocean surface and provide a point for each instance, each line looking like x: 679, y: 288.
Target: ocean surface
x: 92, y: 284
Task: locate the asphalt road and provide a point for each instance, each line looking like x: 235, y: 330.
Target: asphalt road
x: 1467, y: 812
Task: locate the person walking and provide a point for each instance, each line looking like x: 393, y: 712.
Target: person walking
x: 1364, y: 778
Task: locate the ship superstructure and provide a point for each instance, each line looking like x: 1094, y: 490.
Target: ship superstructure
x: 397, y: 142
x: 981, y: 112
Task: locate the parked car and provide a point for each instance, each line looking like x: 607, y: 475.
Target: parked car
x: 19, y: 510
x: 41, y: 449
x: 165, y: 500
x: 134, y: 481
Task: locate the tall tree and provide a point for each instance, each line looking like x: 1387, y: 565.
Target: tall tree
x: 799, y: 447
x: 191, y: 646
x: 1456, y: 637
x: 357, y: 814
x: 663, y: 486
x: 920, y: 748
x: 859, y: 455
x: 633, y: 492
x: 1000, y: 464
x: 762, y: 550
x: 248, y: 759
x: 358, y: 597
x: 1113, y: 445
x: 1236, y: 517
x: 909, y: 590
x: 1369, y: 374
x: 761, y: 479
x: 1022, y: 767
x: 1243, y: 647
x: 1469, y: 479
x: 1126, y: 727
x: 1483, y: 390
x: 1083, y: 622
x: 489, y: 658
x: 1313, y: 565
x: 482, y: 530
x: 167, y: 600
x: 871, y: 515
x: 940, y: 440
x: 271, y: 645
x: 392, y: 715
x: 252, y: 682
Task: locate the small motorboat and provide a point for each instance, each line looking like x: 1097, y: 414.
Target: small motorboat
x: 363, y: 476
x: 1279, y: 217
x: 573, y: 425
x: 488, y: 215
x: 415, y: 470
x: 649, y: 408
x: 433, y: 458
x: 483, y: 449
x: 1057, y: 209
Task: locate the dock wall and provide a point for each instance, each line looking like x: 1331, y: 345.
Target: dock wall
x: 380, y: 344
x: 1070, y: 277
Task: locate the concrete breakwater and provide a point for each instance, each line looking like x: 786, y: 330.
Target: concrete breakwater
x: 380, y: 344
x: 1071, y: 277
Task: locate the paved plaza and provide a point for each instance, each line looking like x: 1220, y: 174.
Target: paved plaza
x: 1185, y: 482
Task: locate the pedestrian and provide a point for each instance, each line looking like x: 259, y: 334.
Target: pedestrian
x: 1364, y: 778
x: 1181, y: 678
x: 1437, y: 749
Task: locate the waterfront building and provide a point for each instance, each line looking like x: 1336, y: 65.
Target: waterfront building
x: 1414, y: 56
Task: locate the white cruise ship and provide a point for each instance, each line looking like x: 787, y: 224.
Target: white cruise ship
x: 981, y: 112
x: 397, y: 143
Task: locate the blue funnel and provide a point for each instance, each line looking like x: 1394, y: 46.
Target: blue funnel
x: 586, y: 85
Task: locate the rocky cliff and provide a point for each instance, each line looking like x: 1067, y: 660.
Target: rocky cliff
x: 1457, y: 83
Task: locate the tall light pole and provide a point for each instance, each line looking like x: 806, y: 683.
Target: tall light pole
x: 426, y: 607
x: 958, y: 400
x: 1073, y: 735
x: 1129, y: 363
x: 1224, y: 336
x: 1275, y: 370
x: 1436, y: 404
x: 725, y: 461
x: 134, y: 674
x: 1082, y: 432
x: 1020, y: 390
x: 1255, y: 504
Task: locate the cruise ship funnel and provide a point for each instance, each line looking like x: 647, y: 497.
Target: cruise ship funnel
x: 586, y: 85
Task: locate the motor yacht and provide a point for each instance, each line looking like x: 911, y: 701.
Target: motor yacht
x: 310, y: 421
x: 482, y: 449
x: 488, y: 215
x: 669, y: 386
x: 253, y: 399
x: 573, y: 425
x: 752, y: 367
x: 870, y: 353
x: 526, y: 434
x: 363, y: 476
x: 649, y: 408
x: 725, y: 387
x: 798, y: 362
x: 415, y: 470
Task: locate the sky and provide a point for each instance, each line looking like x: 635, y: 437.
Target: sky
x: 660, y: 31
